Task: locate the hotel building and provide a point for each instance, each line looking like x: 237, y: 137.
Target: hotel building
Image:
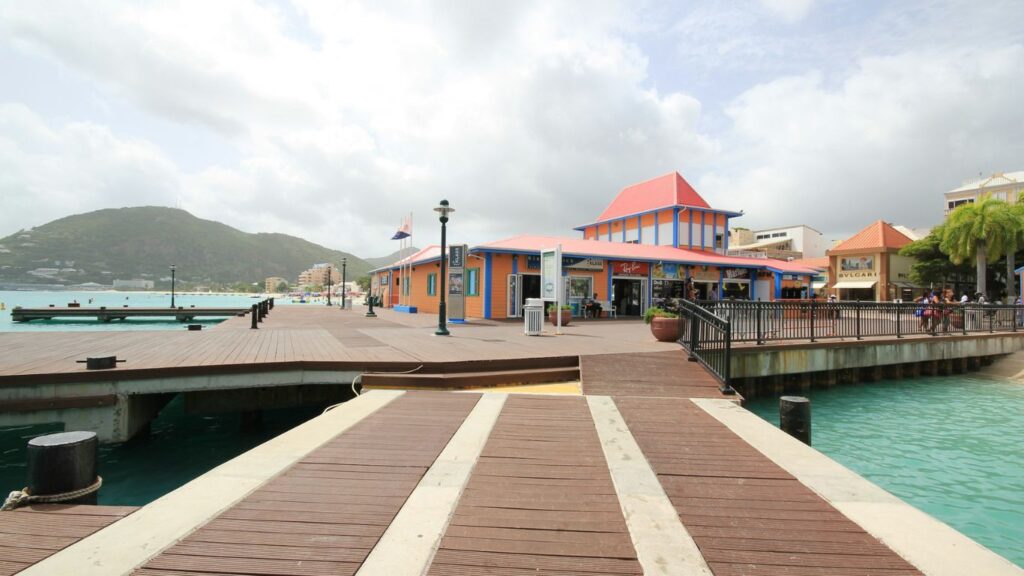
x: 1004, y: 186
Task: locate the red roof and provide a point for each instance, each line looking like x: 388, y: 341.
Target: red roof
x: 880, y: 235
x: 624, y: 251
x: 431, y: 252
x: 820, y: 262
x: 663, y: 191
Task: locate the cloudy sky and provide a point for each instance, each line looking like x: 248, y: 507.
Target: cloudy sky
x: 330, y: 119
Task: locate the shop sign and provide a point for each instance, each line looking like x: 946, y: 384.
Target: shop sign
x: 631, y: 268
x: 456, y: 270
x: 668, y: 271
x: 857, y: 263
x: 737, y: 273
x: 533, y: 262
x: 583, y: 263
x: 550, y: 273
x: 705, y: 274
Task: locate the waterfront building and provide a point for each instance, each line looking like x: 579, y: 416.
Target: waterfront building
x: 783, y: 243
x: 637, y: 253
x: 317, y: 276
x: 134, y: 284
x: 867, y: 266
x: 1004, y: 186
x: 271, y: 284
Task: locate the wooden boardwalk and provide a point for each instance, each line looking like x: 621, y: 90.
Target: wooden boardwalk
x: 538, y: 500
x: 301, y: 336
x: 35, y: 532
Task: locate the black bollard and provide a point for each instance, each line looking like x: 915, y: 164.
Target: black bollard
x: 795, y: 417
x: 370, y: 314
x: 260, y: 311
x: 271, y: 303
x: 254, y: 317
x: 63, y: 462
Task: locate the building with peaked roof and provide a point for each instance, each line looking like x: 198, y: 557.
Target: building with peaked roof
x: 1005, y: 186
x: 639, y: 252
x: 867, y: 266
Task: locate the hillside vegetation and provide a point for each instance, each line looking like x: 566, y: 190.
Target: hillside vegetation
x: 143, y: 242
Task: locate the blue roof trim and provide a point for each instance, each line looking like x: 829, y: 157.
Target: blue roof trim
x: 728, y: 213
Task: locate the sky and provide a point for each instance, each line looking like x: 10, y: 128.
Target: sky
x: 332, y: 119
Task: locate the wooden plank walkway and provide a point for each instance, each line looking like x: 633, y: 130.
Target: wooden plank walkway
x: 35, y: 532
x: 540, y: 499
x: 324, y: 514
x: 747, y: 515
x: 302, y: 337
x: 651, y: 374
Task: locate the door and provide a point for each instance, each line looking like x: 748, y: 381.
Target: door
x: 513, y: 309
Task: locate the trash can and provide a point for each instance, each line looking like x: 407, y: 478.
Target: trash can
x: 533, y: 317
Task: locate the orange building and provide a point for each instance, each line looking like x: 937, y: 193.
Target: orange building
x: 651, y: 239
x: 867, y: 266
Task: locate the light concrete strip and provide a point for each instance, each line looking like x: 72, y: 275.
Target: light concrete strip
x: 409, y: 544
x: 662, y: 543
x: 129, y: 543
x: 933, y: 547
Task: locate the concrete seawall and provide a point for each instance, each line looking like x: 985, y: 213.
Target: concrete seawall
x: 765, y: 370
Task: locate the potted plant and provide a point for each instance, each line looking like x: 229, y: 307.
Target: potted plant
x: 566, y: 314
x: 664, y: 324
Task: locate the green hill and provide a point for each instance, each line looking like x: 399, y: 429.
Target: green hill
x: 395, y: 256
x: 143, y: 242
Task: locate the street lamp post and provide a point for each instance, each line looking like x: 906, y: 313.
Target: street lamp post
x: 172, y: 285
x: 442, y: 312
x: 344, y: 261
x: 328, y: 285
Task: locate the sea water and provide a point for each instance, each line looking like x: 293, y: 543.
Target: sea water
x: 951, y: 446
x: 179, y: 448
x: 112, y: 299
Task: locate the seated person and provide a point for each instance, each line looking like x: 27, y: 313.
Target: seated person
x: 593, y: 307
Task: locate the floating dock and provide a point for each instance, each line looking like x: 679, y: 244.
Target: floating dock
x: 105, y: 314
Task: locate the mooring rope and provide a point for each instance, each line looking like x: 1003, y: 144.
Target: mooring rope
x: 22, y: 497
x: 359, y: 379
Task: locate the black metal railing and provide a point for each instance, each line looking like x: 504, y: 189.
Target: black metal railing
x: 814, y: 320
x: 707, y: 339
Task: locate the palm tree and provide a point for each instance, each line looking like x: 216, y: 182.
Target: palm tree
x: 1014, y: 243
x: 977, y: 231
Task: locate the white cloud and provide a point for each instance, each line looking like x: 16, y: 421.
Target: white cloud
x: 524, y: 118
x: 790, y: 10
x: 885, y: 142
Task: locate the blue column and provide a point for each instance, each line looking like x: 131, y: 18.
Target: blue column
x: 753, y: 285
x: 650, y: 283
x: 778, y: 285
x: 714, y: 232
x: 639, y: 230
x: 608, y: 291
x: 656, y: 229
x: 810, y: 286
x: 488, y: 271
x: 515, y: 263
x: 725, y: 234
x: 675, y: 227
x: 623, y: 222
x: 721, y: 283
x: 609, y: 231
x: 702, y: 224
x: 691, y: 230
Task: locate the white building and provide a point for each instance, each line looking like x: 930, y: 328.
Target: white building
x: 1004, y: 186
x: 135, y: 284
x: 800, y: 241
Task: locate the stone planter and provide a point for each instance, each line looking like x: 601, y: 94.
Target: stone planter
x: 665, y: 329
x: 566, y: 316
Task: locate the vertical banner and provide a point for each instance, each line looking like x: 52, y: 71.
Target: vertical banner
x: 456, y: 276
x: 551, y: 281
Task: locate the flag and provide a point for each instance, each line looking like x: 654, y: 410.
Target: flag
x: 403, y: 231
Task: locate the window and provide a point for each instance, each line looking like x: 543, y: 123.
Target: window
x: 432, y: 284
x: 580, y: 286
x: 473, y: 282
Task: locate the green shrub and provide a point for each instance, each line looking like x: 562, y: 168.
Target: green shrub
x: 655, y: 312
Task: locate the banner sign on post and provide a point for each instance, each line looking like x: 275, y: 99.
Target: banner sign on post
x: 456, y: 293
x: 551, y: 281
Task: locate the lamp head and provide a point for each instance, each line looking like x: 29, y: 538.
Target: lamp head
x: 444, y: 210
x: 173, y: 267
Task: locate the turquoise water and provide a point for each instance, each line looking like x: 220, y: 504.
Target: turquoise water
x: 39, y: 299
x: 179, y: 448
x: 951, y: 446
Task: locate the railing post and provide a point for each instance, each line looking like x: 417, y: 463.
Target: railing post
x: 694, y: 331
x: 757, y: 322
x: 899, y: 320
x: 814, y: 313
x: 991, y: 318
x: 1013, y: 319
x: 726, y: 387
x: 963, y: 318
x: 857, y: 314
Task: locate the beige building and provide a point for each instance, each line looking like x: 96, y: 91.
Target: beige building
x: 868, y: 267
x: 1003, y: 186
x: 272, y: 283
x: 317, y: 276
x: 783, y: 243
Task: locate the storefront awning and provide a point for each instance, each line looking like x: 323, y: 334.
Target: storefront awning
x: 856, y: 284
x: 907, y: 284
x: 818, y: 285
